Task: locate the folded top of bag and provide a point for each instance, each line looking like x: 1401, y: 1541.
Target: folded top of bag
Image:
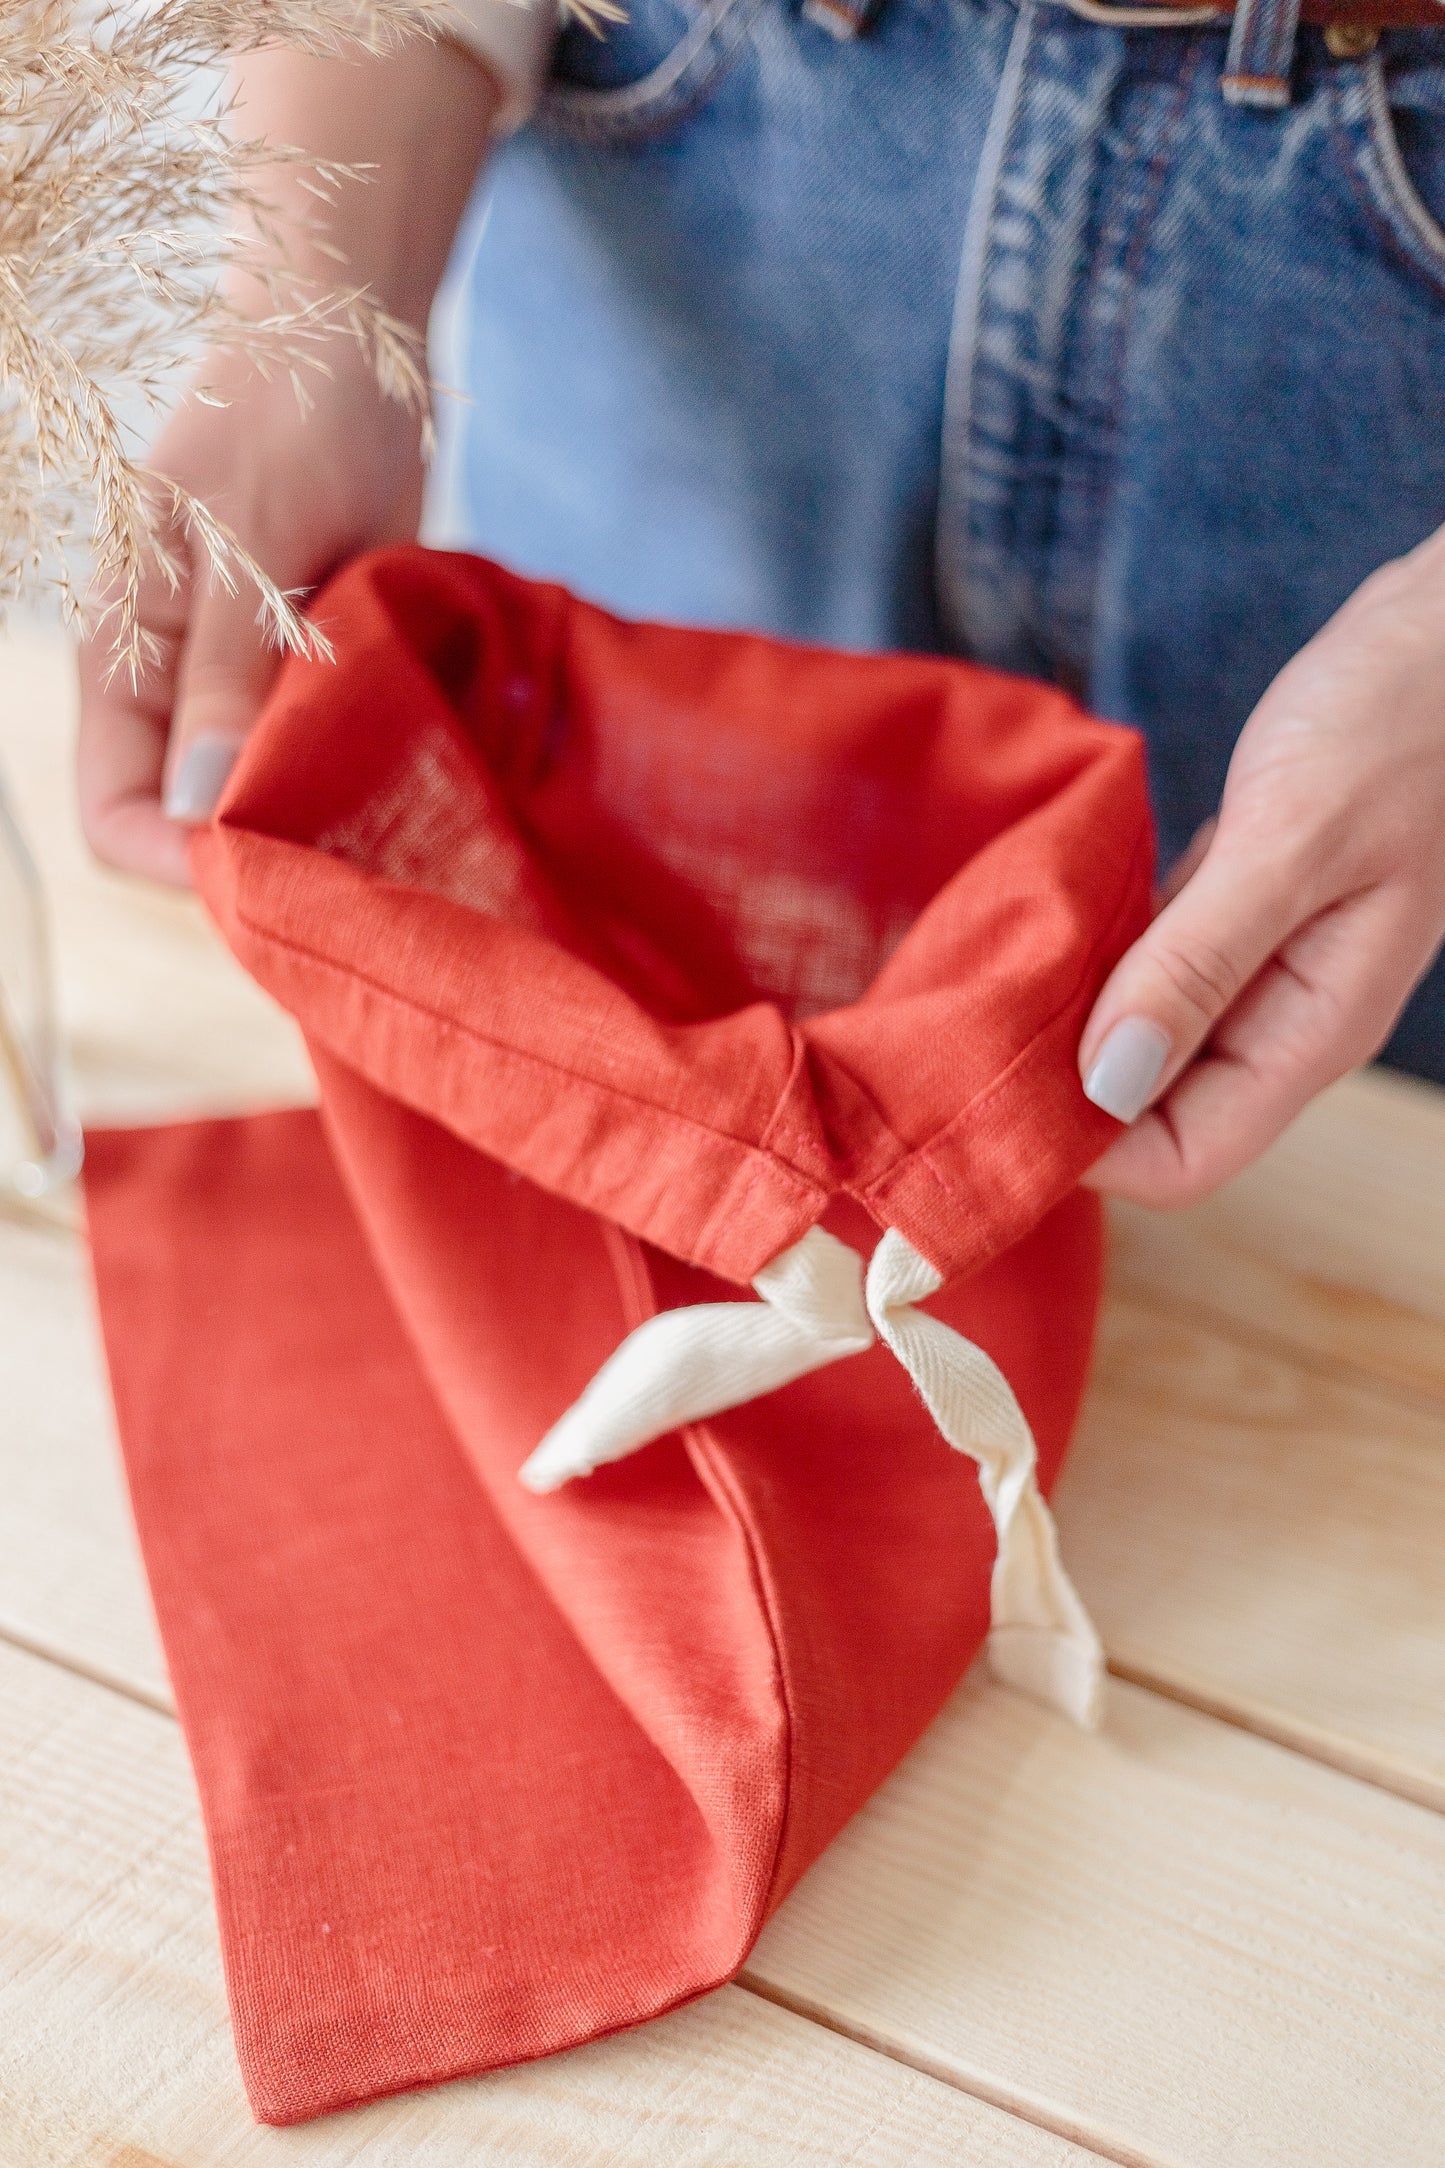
x: 695, y: 929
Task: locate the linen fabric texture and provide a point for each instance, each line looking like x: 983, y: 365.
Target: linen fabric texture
x: 626, y: 956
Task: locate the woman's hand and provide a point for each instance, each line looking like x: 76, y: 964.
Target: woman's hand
x: 301, y: 492
x: 1298, y: 925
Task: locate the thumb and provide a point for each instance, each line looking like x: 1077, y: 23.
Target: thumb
x: 1165, y: 997
x: 227, y: 667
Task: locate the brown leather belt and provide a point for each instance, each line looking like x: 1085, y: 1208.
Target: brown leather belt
x: 1352, y: 27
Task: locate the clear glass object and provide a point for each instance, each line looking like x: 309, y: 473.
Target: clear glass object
x: 40, y: 1145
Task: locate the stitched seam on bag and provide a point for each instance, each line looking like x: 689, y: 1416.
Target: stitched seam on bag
x: 757, y: 1159
x: 638, y: 1296
x: 780, y: 1122
x: 448, y: 2070
x: 736, y: 1196
x: 700, y: 1440
x: 1035, y: 1044
x: 760, y: 1158
x: 1034, y: 1047
x: 920, y: 1152
x: 629, y: 1269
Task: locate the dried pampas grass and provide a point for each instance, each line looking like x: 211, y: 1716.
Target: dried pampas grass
x: 123, y: 197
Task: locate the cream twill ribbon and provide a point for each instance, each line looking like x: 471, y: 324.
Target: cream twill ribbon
x: 684, y: 1365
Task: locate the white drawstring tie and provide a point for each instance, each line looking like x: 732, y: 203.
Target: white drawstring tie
x: 684, y: 1365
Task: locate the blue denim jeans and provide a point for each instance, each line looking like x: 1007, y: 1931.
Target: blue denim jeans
x: 997, y: 330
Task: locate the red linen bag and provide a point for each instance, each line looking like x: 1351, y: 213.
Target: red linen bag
x: 638, y: 965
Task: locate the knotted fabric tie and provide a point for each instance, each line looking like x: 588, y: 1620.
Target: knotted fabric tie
x: 684, y: 1365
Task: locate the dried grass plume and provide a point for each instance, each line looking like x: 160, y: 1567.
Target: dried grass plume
x: 122, y: 198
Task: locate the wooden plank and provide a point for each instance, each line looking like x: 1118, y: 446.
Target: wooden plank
x: 1332, y: 1245
x: 70, y: 1576
x: 159, y: 1018
x: 115, y: 2049
x: 1265, y: 1541
x: 1171, y: 1940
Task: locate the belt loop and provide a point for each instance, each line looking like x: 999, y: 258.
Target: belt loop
x: 1261, y: 52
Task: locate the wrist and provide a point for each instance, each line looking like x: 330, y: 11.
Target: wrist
x: 417, y: 119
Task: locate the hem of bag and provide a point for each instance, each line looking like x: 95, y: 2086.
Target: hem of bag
x: 875, y: 1193
x: 281, y: 2116
x: 1139, y: 866
x: 756, y: 1161
x: 984, y: 1223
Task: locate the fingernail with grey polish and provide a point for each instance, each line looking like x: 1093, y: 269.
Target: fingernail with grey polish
x: 1127, y: 1067
x: 200, y: 778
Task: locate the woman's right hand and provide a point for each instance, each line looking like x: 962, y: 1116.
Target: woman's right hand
x: 302, y: 492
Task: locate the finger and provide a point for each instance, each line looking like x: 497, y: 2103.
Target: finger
x: 124, y: 724
x: 226, y: 669
x: 1325, y: 1004
x: 1166, y: 995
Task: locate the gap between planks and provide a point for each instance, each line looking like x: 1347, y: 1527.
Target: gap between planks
x: 1344, y: 1405
x: 1002, y: 2098
x: 1310, y: 1741
x: 93, y: 1674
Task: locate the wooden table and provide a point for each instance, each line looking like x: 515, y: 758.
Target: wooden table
x: 1213, y: 1934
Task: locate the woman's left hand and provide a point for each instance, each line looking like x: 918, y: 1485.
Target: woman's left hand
x: 1297, y: 926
